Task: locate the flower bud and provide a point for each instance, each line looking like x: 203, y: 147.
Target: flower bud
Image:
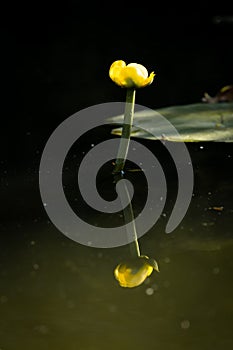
x: 133, y: 75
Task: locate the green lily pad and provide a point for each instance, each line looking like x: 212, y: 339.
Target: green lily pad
x: 191, y: 123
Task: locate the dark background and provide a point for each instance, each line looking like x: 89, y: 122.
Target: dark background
x: 56, y: 59
x: 60, y: 57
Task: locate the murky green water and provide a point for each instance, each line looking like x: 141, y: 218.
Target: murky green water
x: 58, y: 294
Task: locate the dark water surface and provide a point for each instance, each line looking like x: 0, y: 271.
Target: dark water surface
x: 58, y: 294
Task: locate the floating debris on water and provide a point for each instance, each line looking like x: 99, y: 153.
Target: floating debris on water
x: 216, y: 208
x: 206, y: 224
x: 225, y: 94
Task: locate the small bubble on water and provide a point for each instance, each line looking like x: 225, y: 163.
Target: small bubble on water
x: 201, y: 147
x: 92, y: 145
x: 149, y: 291
x: 167, y: 260
x: 216, y: 270
x: 185, y: 324
x: 36, y: 267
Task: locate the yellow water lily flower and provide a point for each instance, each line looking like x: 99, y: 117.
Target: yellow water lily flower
x: 133, y: 272
x: 133, y: 75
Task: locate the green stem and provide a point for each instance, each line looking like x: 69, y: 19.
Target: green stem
x: 126, y: 130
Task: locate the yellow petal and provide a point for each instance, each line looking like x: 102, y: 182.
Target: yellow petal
x: 149, y: 80
x: 115, y: 71
x: 133, y: 75
x: 140, y: 69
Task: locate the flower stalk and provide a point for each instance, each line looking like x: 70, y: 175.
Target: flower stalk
x: 126, y: 131
x: 132, y: 76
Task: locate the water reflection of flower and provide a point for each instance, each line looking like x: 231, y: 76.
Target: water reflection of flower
x: 133, y: 272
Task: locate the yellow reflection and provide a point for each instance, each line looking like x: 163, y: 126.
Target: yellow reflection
x: 133, y: 272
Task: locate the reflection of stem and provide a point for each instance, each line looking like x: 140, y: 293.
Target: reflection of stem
x: 129, y: 218
x: 126, y: 130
